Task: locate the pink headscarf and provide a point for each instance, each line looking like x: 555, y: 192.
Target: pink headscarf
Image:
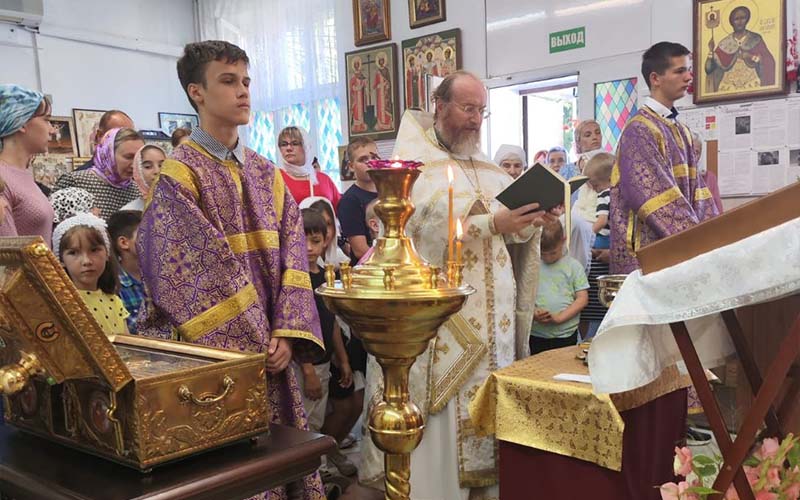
x: 138, y: 173
x: 105, y: 163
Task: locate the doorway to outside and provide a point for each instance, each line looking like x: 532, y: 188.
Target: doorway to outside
x: 535, y: 115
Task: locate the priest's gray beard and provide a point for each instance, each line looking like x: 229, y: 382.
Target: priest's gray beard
x: 462, y: 142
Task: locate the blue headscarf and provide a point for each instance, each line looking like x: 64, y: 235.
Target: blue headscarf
x: 17, y: 106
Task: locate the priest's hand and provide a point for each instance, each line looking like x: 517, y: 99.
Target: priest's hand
x: 513, y: 221
x: 279, y: 354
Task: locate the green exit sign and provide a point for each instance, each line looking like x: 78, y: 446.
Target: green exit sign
x: 568, y: 40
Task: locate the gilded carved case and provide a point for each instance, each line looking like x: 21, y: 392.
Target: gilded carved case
x: 138, y: 401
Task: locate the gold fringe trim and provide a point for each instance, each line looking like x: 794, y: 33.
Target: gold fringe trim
x: 659, y: 137
x: 478, y: 478
x: 629, y: 240
x: 295, y: 278
x: 183, y: 175
x: 702, y: 194
x: 218, y: 314
x: 262, y: 239
x: 278, y: 194
x: 297, y: 334
x: 443, y: 390
x: 659, y: 201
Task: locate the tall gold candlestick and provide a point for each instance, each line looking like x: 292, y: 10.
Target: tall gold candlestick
x: 393, y: 306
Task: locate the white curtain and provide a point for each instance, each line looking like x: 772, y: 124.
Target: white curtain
x: 293, y: 61
x: 291, y: 45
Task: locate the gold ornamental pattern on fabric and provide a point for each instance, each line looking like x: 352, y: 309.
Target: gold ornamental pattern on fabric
x: 395, y: 302
x: 522, y: 404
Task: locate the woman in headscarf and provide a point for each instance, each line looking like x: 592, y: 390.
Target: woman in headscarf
x: 24, y: 132
x: 512, y: 159
x: 110, y: 179
x: 146, y: 167
x: 296, y: 157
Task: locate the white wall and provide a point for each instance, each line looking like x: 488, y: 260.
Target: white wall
x: 97, y: 54
x: 669, y: 20
x: 468, y: 15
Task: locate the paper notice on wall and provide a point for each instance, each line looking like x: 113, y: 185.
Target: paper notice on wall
x: 793, y: 122
x: 769, y: 123
x: 735, y: 172
x: 793, y: 170
x: 770, y: 171
x: 702, y: 121
x: 736, y: 129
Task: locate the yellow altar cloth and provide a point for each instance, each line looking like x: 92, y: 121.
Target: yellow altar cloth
x: 522, y: 404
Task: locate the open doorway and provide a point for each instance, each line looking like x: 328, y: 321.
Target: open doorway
x: 535, y: 115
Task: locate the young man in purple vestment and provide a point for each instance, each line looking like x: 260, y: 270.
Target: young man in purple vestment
x: 655, y: 189
x: 221, y: 244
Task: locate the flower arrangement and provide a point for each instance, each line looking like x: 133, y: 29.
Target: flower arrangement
x: 773, y: 472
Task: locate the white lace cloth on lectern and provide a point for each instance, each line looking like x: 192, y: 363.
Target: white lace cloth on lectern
x: 634, y: 342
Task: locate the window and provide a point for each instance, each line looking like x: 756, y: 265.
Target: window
x: 323, y: 116
x: 293, y: 65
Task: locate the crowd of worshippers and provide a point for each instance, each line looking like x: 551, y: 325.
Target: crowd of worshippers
x: 92, y: 215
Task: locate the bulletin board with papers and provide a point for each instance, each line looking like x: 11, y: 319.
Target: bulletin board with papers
x: 757, y: 143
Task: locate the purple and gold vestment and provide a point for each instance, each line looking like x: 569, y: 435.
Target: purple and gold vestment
x: 655, y: 189
x: 223, y: 258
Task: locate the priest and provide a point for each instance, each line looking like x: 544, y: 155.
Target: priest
x: 501, y: 256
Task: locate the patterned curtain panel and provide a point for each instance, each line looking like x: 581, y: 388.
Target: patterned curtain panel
x: 322, y: 118
x: 614, y: 103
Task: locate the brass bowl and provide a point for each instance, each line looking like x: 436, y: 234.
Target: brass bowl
x: 608, y: 286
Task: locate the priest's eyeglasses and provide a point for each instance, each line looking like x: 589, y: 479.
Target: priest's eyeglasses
x: 471, y: 110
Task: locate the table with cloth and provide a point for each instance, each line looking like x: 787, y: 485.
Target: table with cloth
x: 560, y: 440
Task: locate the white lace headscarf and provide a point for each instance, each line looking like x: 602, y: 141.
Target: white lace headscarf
x: 82, y: 219
x: 306, y: 169
x: 70, y: 201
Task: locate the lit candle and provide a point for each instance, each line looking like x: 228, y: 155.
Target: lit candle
x: 450, y: 225
x: 396, y: 162
x: 459, y: 233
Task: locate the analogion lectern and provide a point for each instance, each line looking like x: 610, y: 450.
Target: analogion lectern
x: 768, y: 212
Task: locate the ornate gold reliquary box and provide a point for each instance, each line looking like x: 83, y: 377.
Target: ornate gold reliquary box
x: 138, y: 401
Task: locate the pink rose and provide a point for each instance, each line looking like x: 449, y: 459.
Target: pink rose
x: 669, y: 491
x: 683, y: 461
x: 731, y: 494
x: 793, y: 492
x: 766, y: 495
x: 672, y: 491
x: 769, y: 448
x: 752, y: 474
x: 774, y: 476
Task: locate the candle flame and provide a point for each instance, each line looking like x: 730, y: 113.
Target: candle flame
x: 450, y: 174
x: 459, y: 231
